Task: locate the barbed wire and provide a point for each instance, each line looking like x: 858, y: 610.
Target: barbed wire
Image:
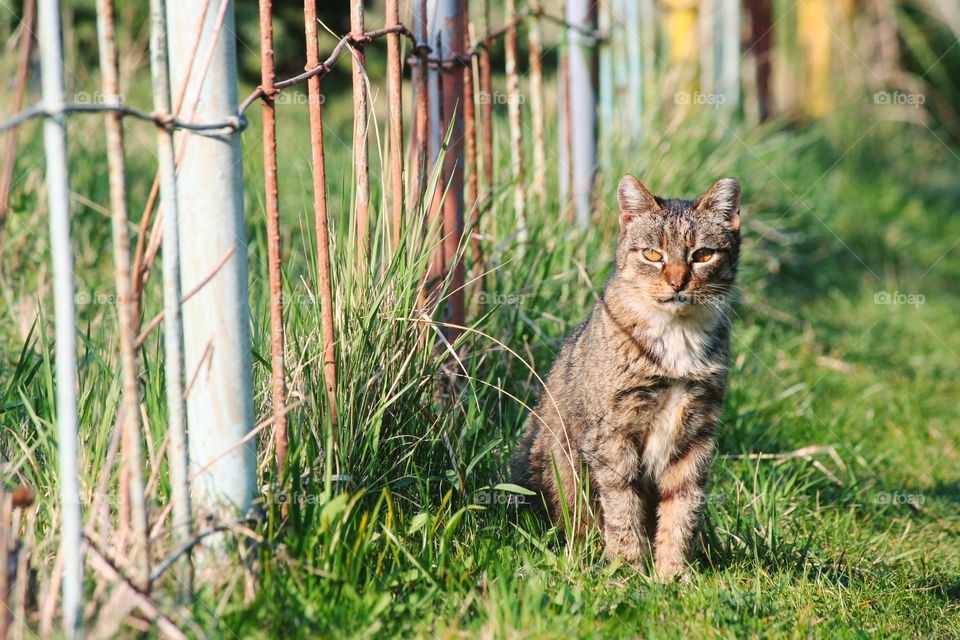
x: 238, y: 122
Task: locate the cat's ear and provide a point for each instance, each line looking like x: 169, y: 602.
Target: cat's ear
x: 723, y: 199
x: 634, y: 199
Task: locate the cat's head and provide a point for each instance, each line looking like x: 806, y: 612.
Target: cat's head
x: 678, y: 256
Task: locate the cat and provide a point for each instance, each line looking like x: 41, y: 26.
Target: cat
x: 633, y: 399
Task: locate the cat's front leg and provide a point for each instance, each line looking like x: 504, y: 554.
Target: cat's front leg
x: 682, y: 496
x: 614, y: 465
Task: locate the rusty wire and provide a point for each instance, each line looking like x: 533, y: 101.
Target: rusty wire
x: 238, y: 122
x: 228, y: 125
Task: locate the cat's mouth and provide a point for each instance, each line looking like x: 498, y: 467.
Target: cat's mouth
x: 679, y: 299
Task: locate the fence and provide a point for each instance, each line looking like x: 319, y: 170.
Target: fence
x: 609, y: 56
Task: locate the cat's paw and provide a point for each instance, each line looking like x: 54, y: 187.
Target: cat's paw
x: 630, y: 549
x: 669, y: 571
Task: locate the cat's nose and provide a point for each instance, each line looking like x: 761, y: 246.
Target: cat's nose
x: 676, y: 278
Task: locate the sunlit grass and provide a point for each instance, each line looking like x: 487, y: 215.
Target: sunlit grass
x: 391, y: 527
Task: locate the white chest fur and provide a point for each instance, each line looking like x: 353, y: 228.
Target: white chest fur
x: 680, y: 343
x: 665, y: 429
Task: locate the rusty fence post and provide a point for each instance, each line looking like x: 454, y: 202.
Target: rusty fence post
x: 535, y: 47
x: 760, y: 50
x: 361, y: 157
x: 395, y: 93
x: 470, y: 132
x: 451, y: 28
x: 272, y: 206
x: 320, y: 214
x: 486, y: 122
x: 516, y: 125
x: 421, y: 155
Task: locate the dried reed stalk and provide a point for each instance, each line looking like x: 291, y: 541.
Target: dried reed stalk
x: 131, y: 465
x: 19, y: 90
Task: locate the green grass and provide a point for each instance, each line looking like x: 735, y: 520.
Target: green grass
x: 858, y: 540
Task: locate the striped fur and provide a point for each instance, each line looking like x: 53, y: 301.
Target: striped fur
x: 624, y: 431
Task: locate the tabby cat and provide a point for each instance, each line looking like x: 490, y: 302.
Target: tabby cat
x: 633, y: 399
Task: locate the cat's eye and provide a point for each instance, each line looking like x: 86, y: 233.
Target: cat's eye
x: 702, y: 255
x: 652, y: 255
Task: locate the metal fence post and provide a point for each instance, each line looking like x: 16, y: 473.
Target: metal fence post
x: 58, y: 195
x: 451, y: 30
x: 605, y: 22
x: 635, y: 64
x: 583, y: 105
x: 216, y: 320
x: 172, y: 318
x: 728, y: 55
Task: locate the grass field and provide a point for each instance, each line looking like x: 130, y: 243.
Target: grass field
x: 846, y: 339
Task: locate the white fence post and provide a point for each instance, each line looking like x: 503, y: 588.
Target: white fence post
x: 583, y: 105
x: 216, y: 330
x: 172, y: 318
x: 58, y: 196
x: 728, y: 56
